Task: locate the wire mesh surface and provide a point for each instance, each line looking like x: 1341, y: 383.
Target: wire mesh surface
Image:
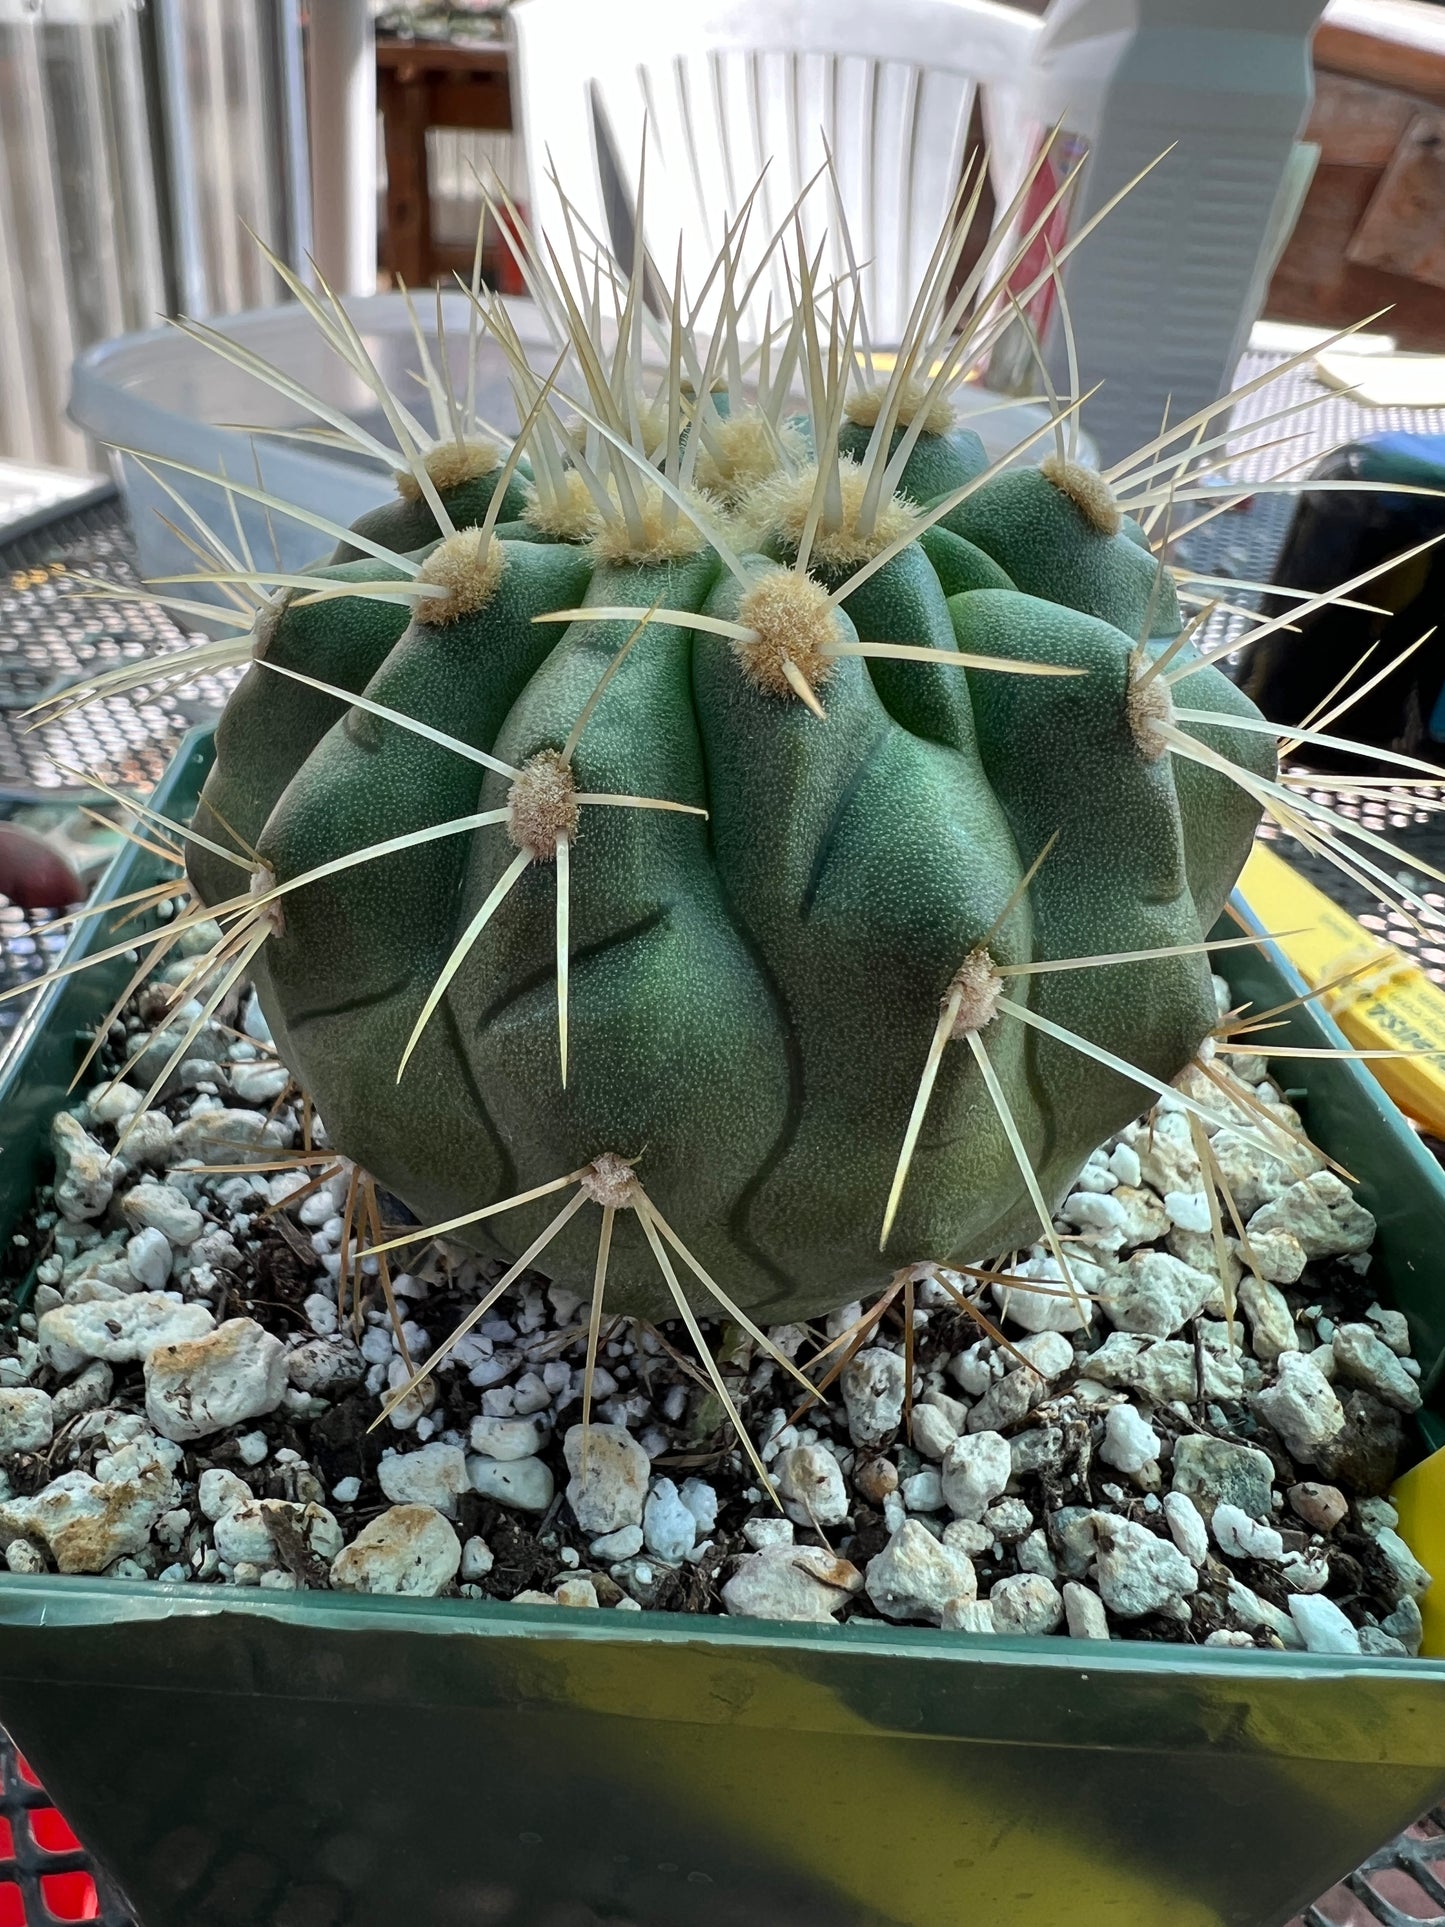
x: 1243, y: 544
x: 55, y: 629
x: 52, y: 631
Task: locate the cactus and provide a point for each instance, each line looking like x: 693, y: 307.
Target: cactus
x: 780, y: 798
x: 797, y: 836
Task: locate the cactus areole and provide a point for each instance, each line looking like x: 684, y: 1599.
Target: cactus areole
x: 782, y: 892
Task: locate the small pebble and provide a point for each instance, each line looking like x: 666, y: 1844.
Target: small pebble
x: 578, y: 1592
x: 1405, y: 1624
x: 477, y: 1561
x: 931, y: 1432
x: 118, y: 1330
x: 1240, y: 1537
x: 1130, y: 1442
x: 766, y: 1531
x: 1318, y: 1505
x: 1217, y: 1471
x: 968, y: 1616
x: 149, y: 1257
x: 246, y: 1532
x: 1411, y: 1577
x: 914, y: 1576
x: 1271, y: 1322
x: 508, y: 1438
x: 1050, y: 1307
x: 1392, y: 1327
x: 1363, y: 1358
x: 1026, y: 1603
x: 1138, y: 1571
x: 525, y: 1485
x: 1186, y: 1528
x: 220, y: 1492
x: 701, y: 1500
x: 27, y: 1419
x: 1279, y: 1255
x: 873, y: 1396
x: 327, y: 1367
x: 1007, y: 1401
x: 1008, y: 1521
x: 1124, y: 1163
x: 410, y: 1549
x: 1247, y: 1605
x: 86, y: 1392
x: 610, y: 1474
x: 1188, y: 1210
x: 159, y: 1207
x: 1302, y: 1406
x: 627, y: 1542
x: 1322, y: 1626
x: 203, y: 1385
x: 973, y: 1369
x: 1048, y: 1353
x: 784, y: 1582
x: 1322, y: 1213
x: 976, y: 1468
x: 1155, y: 1293
x: 669, y: 1528
x: 811, y: 1486
x: 1084, y: 1612
x: 436, y: 1475
x: 83, y: 1184
x: 1380, y: 1645
x: 924, y: 1491
x: 321, y: 1314
x: 1307, y: 1571
x: 1035, y: 1555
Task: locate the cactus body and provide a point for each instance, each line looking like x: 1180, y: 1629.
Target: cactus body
x: 753, y: 991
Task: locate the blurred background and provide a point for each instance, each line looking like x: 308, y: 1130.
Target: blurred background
x: 140, y: 139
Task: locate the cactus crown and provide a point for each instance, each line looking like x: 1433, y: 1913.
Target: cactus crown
x: 740, y: 805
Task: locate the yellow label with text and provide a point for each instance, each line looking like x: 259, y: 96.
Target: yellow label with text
x: 1387, y: 1003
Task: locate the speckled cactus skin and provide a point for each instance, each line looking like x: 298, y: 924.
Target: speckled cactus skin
x: 753, y: 993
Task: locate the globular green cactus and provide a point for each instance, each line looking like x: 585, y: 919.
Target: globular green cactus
x: 797, y: 837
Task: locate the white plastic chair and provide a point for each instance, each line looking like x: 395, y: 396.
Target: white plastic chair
x: 723, y: 87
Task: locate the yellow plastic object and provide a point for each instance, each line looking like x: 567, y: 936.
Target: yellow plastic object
x: 1389, y: 1004
x: 1419, y: 1498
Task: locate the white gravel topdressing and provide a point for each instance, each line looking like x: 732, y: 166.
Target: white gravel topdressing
x: 182, y: 1400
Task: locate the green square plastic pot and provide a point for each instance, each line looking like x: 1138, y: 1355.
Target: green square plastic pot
x: 246, y: 1759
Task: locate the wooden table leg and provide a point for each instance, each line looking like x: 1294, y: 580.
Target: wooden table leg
x: 405, y: 114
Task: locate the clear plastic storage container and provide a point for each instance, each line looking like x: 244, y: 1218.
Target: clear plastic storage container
x: 164, y: 394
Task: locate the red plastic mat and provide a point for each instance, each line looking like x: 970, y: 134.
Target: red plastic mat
x: 45, y: 1877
